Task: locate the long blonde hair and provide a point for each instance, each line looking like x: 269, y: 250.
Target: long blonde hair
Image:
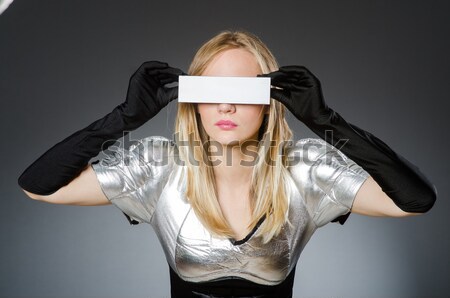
x: 268, y: 193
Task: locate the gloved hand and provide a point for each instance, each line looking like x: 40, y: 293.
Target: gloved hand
x: 300, y: 91
x: 147, y: 95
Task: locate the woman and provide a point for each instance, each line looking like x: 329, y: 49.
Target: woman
x: 233, y: 207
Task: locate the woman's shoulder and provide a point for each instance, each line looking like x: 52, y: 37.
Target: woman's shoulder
x: 155, y: 141
x: 150, y: 151
x: 153, y: 146
x: 309, y: 149
x: 317, y: 157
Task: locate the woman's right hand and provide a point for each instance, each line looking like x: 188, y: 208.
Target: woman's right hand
x: 147, y: 92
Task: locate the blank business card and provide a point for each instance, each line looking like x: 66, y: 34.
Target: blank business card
x: 238, y: 90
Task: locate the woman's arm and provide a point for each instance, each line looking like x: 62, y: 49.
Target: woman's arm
x: 372, y: 201
x: 401, y: 181
x: 84, y: 190
x: 50, y: 177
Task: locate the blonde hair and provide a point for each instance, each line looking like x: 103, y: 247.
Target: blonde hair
x: 268, y: 193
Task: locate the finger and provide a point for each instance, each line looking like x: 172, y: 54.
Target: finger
x: 290, y: 82
x: 290, y: 70
x: 167, y: 80
x: 293, y: 80
x: 294, y: 69
x: 281, y: 75
x: 172, y: 93
x: 298, y: 70
x: 270, y: 74
x: 153, y: 65
x: 174, y: 72
x: 168, y: 73
x: 277, y: 76
x: 163, y: 76
x: 281, y: 95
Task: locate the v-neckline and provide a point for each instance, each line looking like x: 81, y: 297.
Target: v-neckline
x: 246, y: 238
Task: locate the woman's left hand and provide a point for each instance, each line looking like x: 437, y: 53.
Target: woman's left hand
x: 299, y: 90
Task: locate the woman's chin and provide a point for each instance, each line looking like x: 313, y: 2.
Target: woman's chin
x: 225, y: 142
x: 222, y: 141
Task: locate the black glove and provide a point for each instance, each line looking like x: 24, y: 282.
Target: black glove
x: 146, y: 96
x: 301, y: 93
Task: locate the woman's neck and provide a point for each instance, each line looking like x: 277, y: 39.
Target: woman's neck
x: 234, y: 165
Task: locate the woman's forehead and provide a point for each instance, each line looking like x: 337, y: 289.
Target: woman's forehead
x: 233, y: 62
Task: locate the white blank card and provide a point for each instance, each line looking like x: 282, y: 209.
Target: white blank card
x: 238, y: 90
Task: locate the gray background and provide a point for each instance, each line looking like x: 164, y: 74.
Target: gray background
x: 63, y: 64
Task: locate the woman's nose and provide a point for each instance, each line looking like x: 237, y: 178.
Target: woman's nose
x: 226, y: 108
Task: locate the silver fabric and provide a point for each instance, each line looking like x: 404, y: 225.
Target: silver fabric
x: 147, y: 182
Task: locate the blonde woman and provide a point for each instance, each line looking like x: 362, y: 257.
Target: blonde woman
x: 232, y: 199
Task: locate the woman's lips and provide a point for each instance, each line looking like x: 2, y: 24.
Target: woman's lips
x: 226, y: 124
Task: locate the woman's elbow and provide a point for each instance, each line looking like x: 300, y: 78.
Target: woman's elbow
x: 33, y: 195
x: 431, y: 198
x: 424, y: 204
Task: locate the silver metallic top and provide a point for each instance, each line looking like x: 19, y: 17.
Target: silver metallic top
x: 147, y: 182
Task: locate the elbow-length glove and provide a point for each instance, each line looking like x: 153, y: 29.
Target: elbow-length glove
x: 146, y: 96
x: 300, y: 91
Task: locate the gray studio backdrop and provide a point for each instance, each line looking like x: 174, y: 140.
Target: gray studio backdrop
x: 63, y: 64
